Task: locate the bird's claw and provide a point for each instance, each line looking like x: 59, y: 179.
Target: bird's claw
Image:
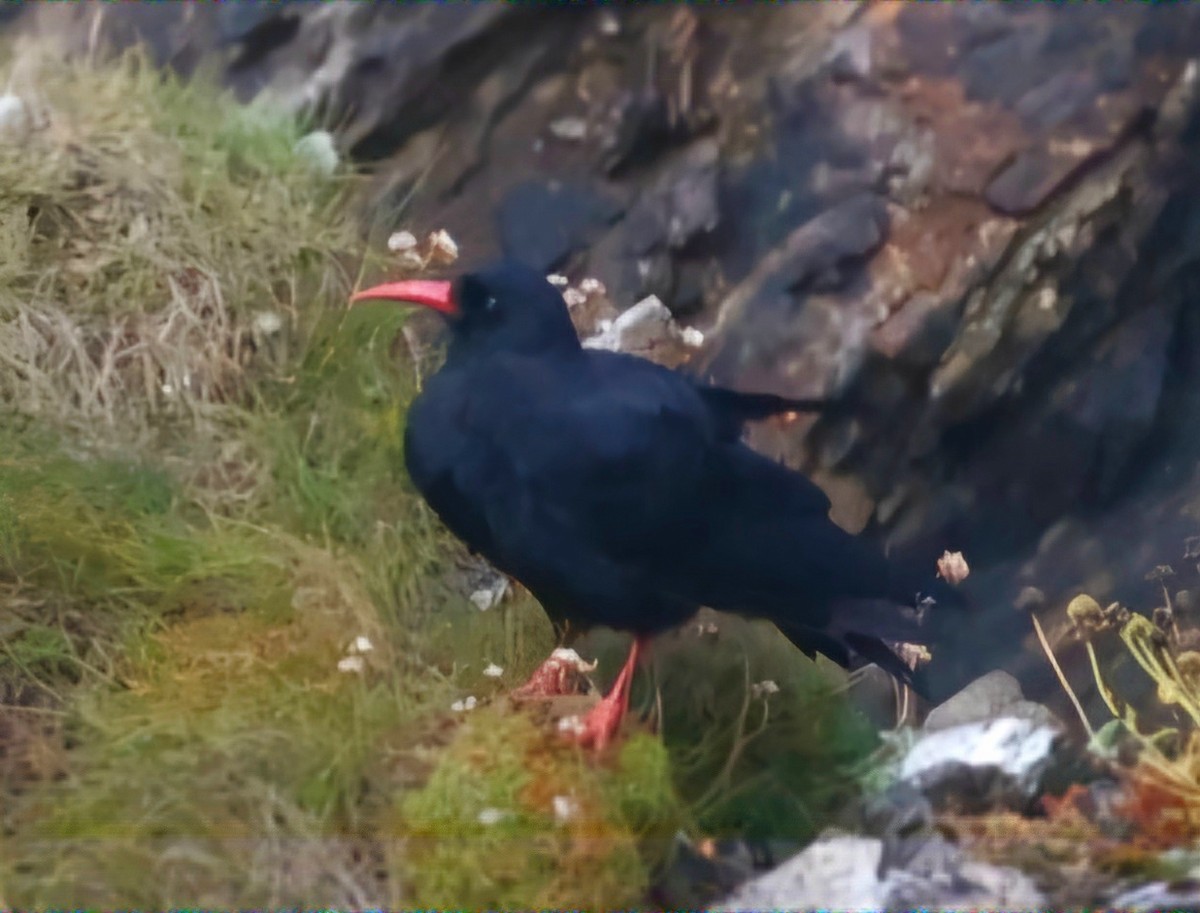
x: 599, y: 726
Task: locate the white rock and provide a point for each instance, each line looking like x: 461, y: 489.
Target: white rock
x: 488, y: 596
x: 842, y: 872
x: 1158, y: 895
x: 1005, y: 757
x: 350, y: 664
x: 645, y: 321
x: 835, y: 872
x: 400, y: 241
x: 569, y: 128
x: 465, y: 704
x: 318, y: 151
x: 992, y: 695
x: 360, y: 644
x: 15, y: 121
x: 493, y: 671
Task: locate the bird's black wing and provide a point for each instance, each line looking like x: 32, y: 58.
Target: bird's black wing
x: 613, y: 494
x: 579, y: 480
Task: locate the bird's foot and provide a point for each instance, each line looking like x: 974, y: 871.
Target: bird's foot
x: 602, y: 722
x: 564, y: 672
x: 600, y: 725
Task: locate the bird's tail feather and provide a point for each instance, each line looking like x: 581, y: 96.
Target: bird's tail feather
x: 863, y: 629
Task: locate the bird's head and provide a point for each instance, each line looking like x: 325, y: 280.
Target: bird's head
x: 506, y: 307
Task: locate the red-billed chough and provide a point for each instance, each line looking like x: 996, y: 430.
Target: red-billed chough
x: 620, y: 493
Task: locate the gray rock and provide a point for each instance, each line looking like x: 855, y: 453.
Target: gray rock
x: 837, y: 870
x: 1161, y: 895
x: 846, y: 873
x: 982, y: 765
x: 690, y: 877
x: 990, y: 696
x: 637, y: 329
x: 971, y: 886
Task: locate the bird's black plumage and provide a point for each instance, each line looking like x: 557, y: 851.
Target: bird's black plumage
x: 620, y: 492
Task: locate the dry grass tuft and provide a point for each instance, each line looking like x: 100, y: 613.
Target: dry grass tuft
x: 162, y: 246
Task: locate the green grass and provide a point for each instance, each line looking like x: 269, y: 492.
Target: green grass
x: 203, y: 503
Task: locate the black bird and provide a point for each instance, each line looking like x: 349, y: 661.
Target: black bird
x: 620, y: 493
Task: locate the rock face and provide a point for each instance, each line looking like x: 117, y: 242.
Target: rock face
x: 981, y: 221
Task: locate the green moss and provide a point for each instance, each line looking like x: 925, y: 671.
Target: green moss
x: 511, y: 819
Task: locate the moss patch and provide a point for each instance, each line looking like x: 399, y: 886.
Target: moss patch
x: 511, y: 818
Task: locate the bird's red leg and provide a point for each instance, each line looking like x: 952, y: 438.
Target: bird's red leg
x: 603, y: 720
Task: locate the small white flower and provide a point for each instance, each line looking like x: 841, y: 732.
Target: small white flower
x: 493, y: 671
x: 557, y: 279
x: 268, y: 323
x: 691, y: 337
x: 168, y: 389
x: 442, y: 248
x: 573, y: 297
x: 490, y: 816
x: 571, y: 725
x: 401, y: 240
x: 592, y: 286
x: 462, y: 706
x: 350, y: 664
x: 565, y: 808
x: 361, y: 644
x: 952, y: 567
x: 763, y: 688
